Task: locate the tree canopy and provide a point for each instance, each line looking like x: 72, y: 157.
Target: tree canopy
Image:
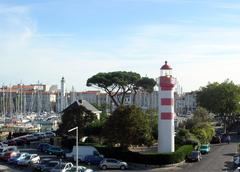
x: 118, y: 84
x: 128, y: 126
x: 221, y: 99
x: 75, y: 116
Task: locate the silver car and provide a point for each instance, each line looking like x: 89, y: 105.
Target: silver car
x: 62, y: 167
x: 112, y: 163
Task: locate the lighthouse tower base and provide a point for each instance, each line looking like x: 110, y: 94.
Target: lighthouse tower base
x: 166, y: 141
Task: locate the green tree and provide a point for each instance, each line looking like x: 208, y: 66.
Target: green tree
x: 104, y: 115
x: 206, y: 136
x: 184, y: 136
x: 153, y: 117
x: 75, y: 115
x: 118, y: 84
x: 221, y: 99
x: 200, y: 134
x: 95, y: 129
x: 201, y: 115
x: 128, y: 125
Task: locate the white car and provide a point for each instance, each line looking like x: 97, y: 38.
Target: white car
x: 62, y: 167
x: 80, y: 169
x: 237, y: 169
x: 29, y: 160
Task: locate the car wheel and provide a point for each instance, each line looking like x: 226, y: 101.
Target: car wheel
x: 104, y: 167
x: 122, y: 167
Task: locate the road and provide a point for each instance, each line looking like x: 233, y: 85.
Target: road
x: 219, y: 159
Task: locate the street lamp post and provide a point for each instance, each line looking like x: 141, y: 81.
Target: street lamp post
x: 76, y: 128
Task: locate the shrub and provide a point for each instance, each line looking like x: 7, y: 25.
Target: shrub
x: 184, y: 137
x: 91, y: 140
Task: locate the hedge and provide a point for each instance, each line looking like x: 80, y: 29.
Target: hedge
x: 151, y: 159
x: 135, y: 157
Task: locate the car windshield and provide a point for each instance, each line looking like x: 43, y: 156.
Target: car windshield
x: 27, y: 157
x: 60, y: 166
x: 194, y: 153
x: 52, y: 164
x: 18, y: 155
x: 204, y: 147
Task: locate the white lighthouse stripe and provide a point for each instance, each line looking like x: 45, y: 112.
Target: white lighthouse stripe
x: 166, y: 108
x: 166, y: 94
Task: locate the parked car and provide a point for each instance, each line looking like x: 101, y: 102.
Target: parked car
x: 237, y: 169
x: 7, y: 149
x: 29, y: 160
x: 236, y: 160
x: 112, y: 163
x: 50, y: 134
x: 49, y: 166
x: 31, y: 138
x: 80, y: 169
x: 55, y: 150
x: 42, y: 164
x: 24, y: 139
x: 194, y: 156
x: 9, y: 155
x: 62, y: 167
x: 39, y: 135
x: 205, y: 148
x: 3, y: 145
x: 18, y: 157
x: 42, y: 147
x: 11, y: 143
x: 93, y: 159
x: 19, y: 142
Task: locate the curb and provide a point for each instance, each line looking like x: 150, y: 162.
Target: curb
x: 135, y: 166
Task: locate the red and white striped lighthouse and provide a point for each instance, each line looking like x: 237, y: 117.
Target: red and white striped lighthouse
x: 166, y: 110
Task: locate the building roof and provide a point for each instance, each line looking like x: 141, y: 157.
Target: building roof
x: 88, y: 106
x: 83, y: 103
x: 166, y: 66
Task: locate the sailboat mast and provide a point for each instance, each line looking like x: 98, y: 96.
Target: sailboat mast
x: 10, y: 100
x: 4, y: 104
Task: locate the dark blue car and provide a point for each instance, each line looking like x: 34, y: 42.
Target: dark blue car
x: 93, y: 159
x: 42, y: 147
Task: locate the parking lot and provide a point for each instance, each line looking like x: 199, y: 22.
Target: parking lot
x: 219, y: 159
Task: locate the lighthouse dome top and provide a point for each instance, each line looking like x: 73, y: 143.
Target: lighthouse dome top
x: 166, y: 66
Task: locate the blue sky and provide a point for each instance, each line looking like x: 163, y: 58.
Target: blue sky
x: 47, y: 39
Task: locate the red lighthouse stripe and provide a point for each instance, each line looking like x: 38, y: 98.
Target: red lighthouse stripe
x: 166, y: 88
x: 167, y: 115
x: 166, y: 101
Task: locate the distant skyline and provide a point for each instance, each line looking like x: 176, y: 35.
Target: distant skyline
x: 43, y: 40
